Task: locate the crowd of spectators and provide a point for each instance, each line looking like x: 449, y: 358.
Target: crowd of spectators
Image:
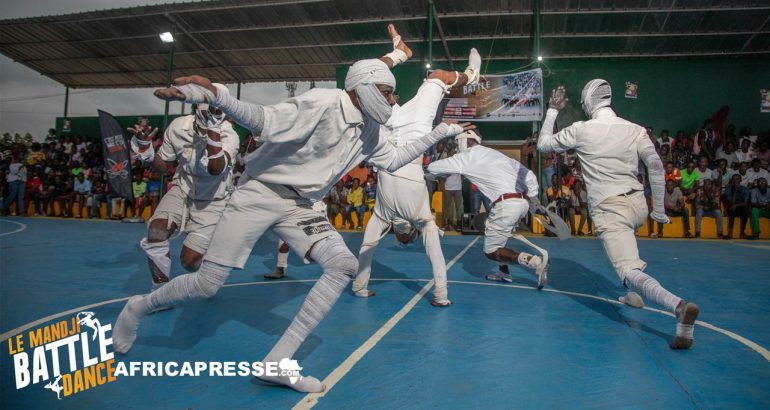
x: 64, y: 176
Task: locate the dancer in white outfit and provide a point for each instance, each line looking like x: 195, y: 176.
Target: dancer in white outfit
x: 202, y: 147
x: 309, y: 143
x: 403, y: 195
x: 513, y: 189
x: 609, y: 149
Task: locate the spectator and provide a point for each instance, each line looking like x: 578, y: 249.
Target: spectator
x: 560, y: 196
x: 762, y: 153
x: 708, y: 203
x: 673, y: 173
x: 690, y: 181
x: 579, y: 206
x: 361, y: 172
x: 356, y: 204
x: 64, y: 187
x: 706, y: 173
x: 756, y: 172
x: 760, y: 205
x: 707, y: 140
x: 139, y: 187
x: 728, y: 153
x: 17, y: 180
x: 453, y: 202
x: 37, y: 156
x: 548, y: 169
x: 370, y: 190
x: 35, y: 193
x: 736, y: 197
x: 152, y: 193
x: 723, y: 174
x: 665, y: 141
x: 665, y: 154
x: 743, y: 171
x: 477, y: 198
x: 336, y: 203
x: 101, y: 194
x: 682, y: 157
x: 674, y: 203
x: 81, y: 194
x: 745, y: 153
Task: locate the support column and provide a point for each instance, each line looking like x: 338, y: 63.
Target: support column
x: 430, y: 33
x: 536, y: 53
x: 165, y: 110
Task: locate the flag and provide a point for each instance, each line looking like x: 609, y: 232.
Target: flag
x: 117, y: 156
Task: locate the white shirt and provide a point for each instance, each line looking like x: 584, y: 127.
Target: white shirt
x: 491, y: 171
x: 608, y: 148
x: 744, y: 156
x: 16, y: 172
x: 311, y: 141
x: 181, y: 143
x: 454, y: 182
x: 705, y: 175
x: 752, y: 175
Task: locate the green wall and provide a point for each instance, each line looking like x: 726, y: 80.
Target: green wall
x: 675, y: 94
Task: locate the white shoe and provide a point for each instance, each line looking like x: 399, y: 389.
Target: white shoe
x: 632, y: 299
x: 474, y: 67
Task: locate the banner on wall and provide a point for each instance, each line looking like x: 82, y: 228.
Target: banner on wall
x: 764, y: 102
x: 632, y: 89
x: 500, y: 97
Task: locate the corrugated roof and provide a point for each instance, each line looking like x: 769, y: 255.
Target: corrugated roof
x: 269, y: 40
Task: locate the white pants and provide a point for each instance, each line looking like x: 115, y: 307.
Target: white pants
x: 403, y: 195
x: 616, y: 218
x: 256, y: 207
x: 502, y: 220
x: 197, y: 218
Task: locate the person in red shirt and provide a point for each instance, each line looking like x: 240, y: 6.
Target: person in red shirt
x: 673, y: 173
x: 34, y: 188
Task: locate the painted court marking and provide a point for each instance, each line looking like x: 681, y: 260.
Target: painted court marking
x: 23, y: 227
x: 311, y: 399
x: 748, y: 245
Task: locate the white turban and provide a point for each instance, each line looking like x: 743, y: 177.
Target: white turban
x: 596, y: 94
x: 200, y: 118
x: 363, y: 77
x: 462, y: 140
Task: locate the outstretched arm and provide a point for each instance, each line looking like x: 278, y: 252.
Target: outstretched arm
x: 392, y: 158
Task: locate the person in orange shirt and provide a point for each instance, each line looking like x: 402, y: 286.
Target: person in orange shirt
x: 673, y: 173
x: 361, y: 172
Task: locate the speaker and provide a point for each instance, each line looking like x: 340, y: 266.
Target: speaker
x: 473, y: 224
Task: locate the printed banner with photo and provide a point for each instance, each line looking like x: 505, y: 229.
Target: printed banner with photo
x: 507, y: 97
x: 764, y: 102
x: 632, y: 89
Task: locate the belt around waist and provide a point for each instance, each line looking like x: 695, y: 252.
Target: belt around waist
x: 514, y: 195
x: 631, y: 192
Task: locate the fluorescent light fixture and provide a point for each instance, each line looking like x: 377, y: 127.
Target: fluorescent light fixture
x: 427, y: 65
x: 167, y: 37
x: 539, y: 58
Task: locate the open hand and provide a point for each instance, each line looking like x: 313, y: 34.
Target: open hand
x: 139, y: 132
x: 558, y: 98
x: 173, y: 94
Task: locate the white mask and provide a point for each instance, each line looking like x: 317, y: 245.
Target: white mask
x: 462, y: 140
x: 596, y: 94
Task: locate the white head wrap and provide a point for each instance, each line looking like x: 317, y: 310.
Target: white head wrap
x: 596, y: 94
x: 363, y: 77
x: 462, y: 140
x: 200, y: 119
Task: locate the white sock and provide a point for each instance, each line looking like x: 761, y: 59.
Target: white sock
x: 646, y: 285
x: 339, y: 267
x: 282, y: 260
x: 157, y: 252
x: 474, y: 66
x: 124, y: 333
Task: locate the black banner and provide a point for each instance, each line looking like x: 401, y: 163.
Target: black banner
x: 117, y: 156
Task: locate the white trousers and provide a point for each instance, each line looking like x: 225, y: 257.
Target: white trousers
x: 616, y: 218
x: 502, y: 220
x: 403, y: 195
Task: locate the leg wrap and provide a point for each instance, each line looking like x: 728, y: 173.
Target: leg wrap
x: 430, y: 238
x: 157, y: 252
x: 339, y: 266
x: 201, y: 284
x: 646, y: 285
x: 283, y: 258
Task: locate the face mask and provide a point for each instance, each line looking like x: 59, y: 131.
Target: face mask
x: 596, y: 94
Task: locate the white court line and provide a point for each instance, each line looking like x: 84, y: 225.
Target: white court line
x: 747, y: 245
x: 311, y: 399
x: 23, y: 227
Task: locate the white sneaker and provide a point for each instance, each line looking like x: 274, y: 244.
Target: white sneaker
x: 474, y: 67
